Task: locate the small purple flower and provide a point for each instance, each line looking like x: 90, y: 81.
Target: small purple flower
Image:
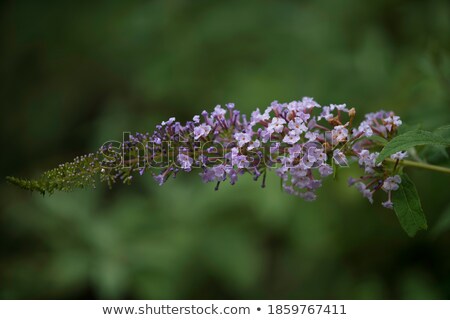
x: 315, y: 156
x: 399, y: 155
x: 351, y: 181
x: 233, y: 176
x: 364, y: 156
x: 303, y: 116
x: 265, y: 135
x: 277, y: 125
x: 289, y: 189
x: 392, y: 121
x: 257, y: 116
x: 291, y: 138
x: 218, y: 112
x: 295, y: 151
x: 388, y: 204
x: 219, y: 171
x: 230, y: 105
x: 169, y: 122
x: 391, y: 183
x: 311, y: 136
x: 325, y: 170
x: 365, y: 129
x: 340, y: 107
x: 160, y: 179
x: 293, y: 107
x: 242, y: 138
x: 297, y: 125
x: 241, y: 161
x: 201, y: 131
x: 185, y: 162
x: 367, y: 160
x: 157, y: 140
x: 339, y: 134
x: 340, y: 158
x: 208, y: 175
x: 308, y: 196
x: 274, y: 148
x: 361, y: 187
x: 309, y: 103
x: 326, y: 114
x: 254, y: 145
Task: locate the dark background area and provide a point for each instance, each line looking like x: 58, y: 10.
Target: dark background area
x: 74, y: 75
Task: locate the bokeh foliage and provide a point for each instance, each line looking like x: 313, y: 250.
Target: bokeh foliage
x: 76, y: 75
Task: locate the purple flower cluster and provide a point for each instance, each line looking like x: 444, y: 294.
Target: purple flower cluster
x: 301, y: 141
x: 384, y: 124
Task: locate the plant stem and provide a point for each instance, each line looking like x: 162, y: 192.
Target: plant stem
x: 422, y: 165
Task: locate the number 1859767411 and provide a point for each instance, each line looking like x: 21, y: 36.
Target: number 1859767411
x: 307, y: 309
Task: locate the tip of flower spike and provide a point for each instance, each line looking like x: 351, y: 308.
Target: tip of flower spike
x: 31, y: 185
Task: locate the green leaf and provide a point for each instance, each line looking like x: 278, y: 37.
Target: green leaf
x: 411, y: 139
x: 437, y: 153
x: 408, y: 208
x: 443, y: 131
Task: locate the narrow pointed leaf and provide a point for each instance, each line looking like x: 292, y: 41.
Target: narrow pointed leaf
x: 408, y: 208
x: 411, y: 139
x: 443, y: 131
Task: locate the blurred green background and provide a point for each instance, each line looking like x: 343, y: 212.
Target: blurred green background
x: 74, y: 75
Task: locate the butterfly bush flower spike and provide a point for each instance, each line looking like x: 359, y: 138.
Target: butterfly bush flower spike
x: 300, y: 141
